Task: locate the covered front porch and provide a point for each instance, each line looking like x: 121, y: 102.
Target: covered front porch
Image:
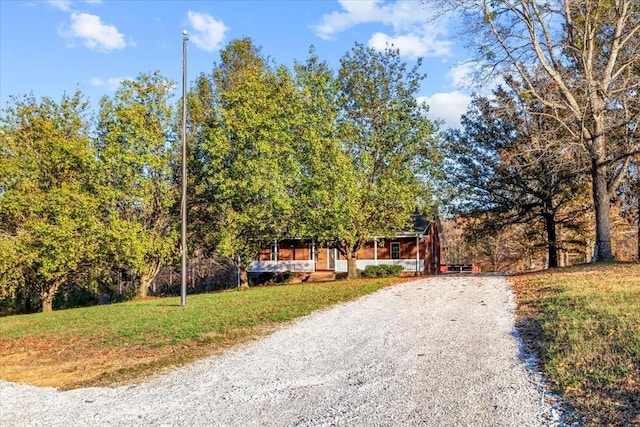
x: 304, y: 256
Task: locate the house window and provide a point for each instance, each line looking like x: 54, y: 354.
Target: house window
x: 274, y: 251
x: 395, y: 250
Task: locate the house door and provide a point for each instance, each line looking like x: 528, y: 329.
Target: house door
x: 331, y: 259
x: 395, y: 250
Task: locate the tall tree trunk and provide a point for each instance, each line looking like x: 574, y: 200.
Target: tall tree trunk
x: 145, y: 284
x: 47, y: 302
x: 352, y: 267
x: 242, y: 272
x: 47, y: 294
x: 146, y: 279
x: 552, y: 245
x: 602, y: 205
x: 244, y: 277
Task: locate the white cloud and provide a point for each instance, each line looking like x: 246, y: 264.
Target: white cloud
x: 470, y: 75
x: 412, y: 32
x: 413, y: 45
x: 93, y: 32
x: 60, y: 4
x: 208, y: 33
x: 462, y: 75
x: 111, y: 84
x: 354, y: 13
x: 403, y: 15
x: 65, y: 5
x: 447, y: 106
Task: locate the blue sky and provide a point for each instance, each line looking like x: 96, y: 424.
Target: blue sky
x: 51, y: 47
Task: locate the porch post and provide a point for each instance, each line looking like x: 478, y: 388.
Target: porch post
x: 275, y: 246
x: 417, y: 253
x: 375, y: 252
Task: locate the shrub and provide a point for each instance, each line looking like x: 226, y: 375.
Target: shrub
x: 268, y: 278
x: 263, y: 278
x: 285, y: 277
x: 382, y: 270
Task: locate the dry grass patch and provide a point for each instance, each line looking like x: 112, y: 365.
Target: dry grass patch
x: 52, y: 362
x: 84, y: 363
x: 584, y: 324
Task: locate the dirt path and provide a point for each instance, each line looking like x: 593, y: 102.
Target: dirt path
x: 438, y: 351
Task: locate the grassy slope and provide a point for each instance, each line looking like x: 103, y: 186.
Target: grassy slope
x: 584, y: 323
x: 121, y: 342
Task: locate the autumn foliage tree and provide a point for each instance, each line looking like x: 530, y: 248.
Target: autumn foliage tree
x: 589, y: 50
x: 629, y: 199
x: 512, y: 165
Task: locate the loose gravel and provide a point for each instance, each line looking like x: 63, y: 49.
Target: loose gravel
x: 431, y: 352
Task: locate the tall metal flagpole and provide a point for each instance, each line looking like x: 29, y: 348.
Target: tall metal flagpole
x: 183, y: 207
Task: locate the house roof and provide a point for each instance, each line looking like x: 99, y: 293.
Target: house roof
x: 420, y: 223
x: 419, y: 226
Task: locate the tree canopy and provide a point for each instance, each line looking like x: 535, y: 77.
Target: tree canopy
x: 248, y: 147
x: 512, y: 165
x: 389, y: 144
x: 135, y: 151
x: 338, y: 156
x: 335, y: 156
x: 49, y: 208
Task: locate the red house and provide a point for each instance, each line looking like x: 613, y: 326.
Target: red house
x: 417, y: 250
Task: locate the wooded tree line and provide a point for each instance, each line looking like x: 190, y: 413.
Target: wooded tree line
x: 336, y: 156
x: 563, y: 123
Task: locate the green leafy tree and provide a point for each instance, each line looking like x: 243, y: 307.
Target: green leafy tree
x: 247, y: 145
x: 201, y: 119
x: 49, y: 211
x: 389, y: 146
x: 135, y: 147
x: 324, y: 166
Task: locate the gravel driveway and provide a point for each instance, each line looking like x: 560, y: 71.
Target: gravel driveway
x: 431, y: 352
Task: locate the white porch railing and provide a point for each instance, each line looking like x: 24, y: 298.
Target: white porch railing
x: 341, y: 265
x: 361, y: 264
x: 282, y: 266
